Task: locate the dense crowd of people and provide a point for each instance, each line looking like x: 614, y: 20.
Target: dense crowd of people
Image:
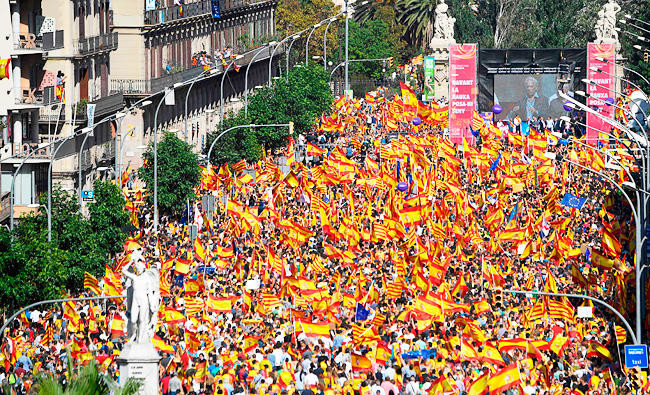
x: 375, y: 261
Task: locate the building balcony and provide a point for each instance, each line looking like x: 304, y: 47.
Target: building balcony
x: 95, y: 44
x: 145, y: 87
x: 31, y: 98
x: 199, y: 8
x: 29, y: 43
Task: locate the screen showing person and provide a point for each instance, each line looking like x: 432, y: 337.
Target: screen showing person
x: 523, y: 95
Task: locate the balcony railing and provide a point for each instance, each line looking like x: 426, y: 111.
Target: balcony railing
x: 47, y: 42
x: 94, y: 44
x: 52, y: 113
x: 45, y: 97
x: 198, y: 8
x: 141, y: 87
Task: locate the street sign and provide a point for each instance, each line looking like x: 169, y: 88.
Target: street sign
x: 90, y: 113
x: 193, y: 231
x: 636, y: 356
x: 87, y: 196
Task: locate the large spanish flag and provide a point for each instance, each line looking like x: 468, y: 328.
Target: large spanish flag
x: 161, y: 345
x: 360, y: 363
x: 504, y: 379
x: 312, y: 329
x: 199, y: 251
x: 220, y: 305
x: 479, y: 386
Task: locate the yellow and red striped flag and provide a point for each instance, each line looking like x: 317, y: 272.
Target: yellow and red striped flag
x: 91, y: 283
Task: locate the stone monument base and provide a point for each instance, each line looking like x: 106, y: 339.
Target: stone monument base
x: 140, y: 361
x: 440, y: 52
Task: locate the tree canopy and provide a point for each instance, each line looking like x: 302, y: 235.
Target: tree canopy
x: 178, y: 174
x: 301, y: 100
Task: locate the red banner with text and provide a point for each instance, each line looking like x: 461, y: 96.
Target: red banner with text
x: 462, y: 91
x: 602, y: 57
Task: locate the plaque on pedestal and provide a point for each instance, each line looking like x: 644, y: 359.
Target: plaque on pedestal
x: 140, y: 361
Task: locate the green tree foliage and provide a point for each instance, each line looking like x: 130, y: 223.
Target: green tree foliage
x: 370, y: 40
x: 85, y: 380
x: 108, y: 219
x: 33, y: 269
x: 386, y: 12
x: 234, y: 145
x: 302, y: 100
x: 178, y: 174
x: 292, y: 16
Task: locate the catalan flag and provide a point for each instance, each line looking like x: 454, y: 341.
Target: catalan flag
x: 621, y: 334
x: 91, y: 283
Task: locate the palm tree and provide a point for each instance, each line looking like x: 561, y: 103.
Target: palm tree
x: 86, y: 380
x: 418, y: 16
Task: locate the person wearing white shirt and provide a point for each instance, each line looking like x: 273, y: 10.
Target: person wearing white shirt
x: 311, y: 380
x: 412, y: 388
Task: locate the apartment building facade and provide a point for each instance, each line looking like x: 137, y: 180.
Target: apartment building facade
x: 60, y: 63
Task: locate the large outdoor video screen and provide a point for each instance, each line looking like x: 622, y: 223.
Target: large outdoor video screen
x: 529, y: 96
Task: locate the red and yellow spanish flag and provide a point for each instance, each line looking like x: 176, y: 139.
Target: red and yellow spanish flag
x: 5, y: 66
x: 161, y: 345
x: 220, y: 305
x: 182, y: 266
x: 171, y: 316
x: 91, y: 283
x: 360, y: 363
x: 199, y: 251
x: 312, y: 329
x: 117, y: 325
x: 504, y: 379
x: 314, y: 150
x: 479, y: 386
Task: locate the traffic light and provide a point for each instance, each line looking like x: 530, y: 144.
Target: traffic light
x: 290, y: 128
x: 497, y: 299
x: 390, y: 62
x: 645, y: 57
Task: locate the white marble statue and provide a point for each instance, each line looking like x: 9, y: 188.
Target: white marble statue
x: 142, y: 302
x: 444, y: 25
x: 606, y: 24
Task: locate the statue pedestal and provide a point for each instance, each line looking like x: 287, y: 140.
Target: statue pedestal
x: 140, y: 361
x: 440, y: 49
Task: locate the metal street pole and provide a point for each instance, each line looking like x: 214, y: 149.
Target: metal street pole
x: 13, y: 184
x: 347, y: 34
x: 307, y: 43
x: 266, y: 47
x: 207, y: 158
x: 223, y: 78
x: 81, y: 149
x: 635, y: 339
x: 155, y: 160
x: 325, y: 41
x: 273, y: 53
x: 49, y: 188
x: 144, y: 102
x: 211, y: 70
x: 19, y: 312
x: 637, y: 253
x: 297, y: 36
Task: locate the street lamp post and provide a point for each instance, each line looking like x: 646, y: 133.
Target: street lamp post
x: 347, y: 36
x: 334, y: 18
x: 266, y: 47
x: 155, y: 158
x: 273, y: 53
x: 635, y: 212
x: 316, y: 26
x: 238, y: 127
x: 144, y: 102
x: 297, y: 36
x: 211, y: 70
x: 13, y: 184
x: 223, y: 78
x: 49, y: 188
